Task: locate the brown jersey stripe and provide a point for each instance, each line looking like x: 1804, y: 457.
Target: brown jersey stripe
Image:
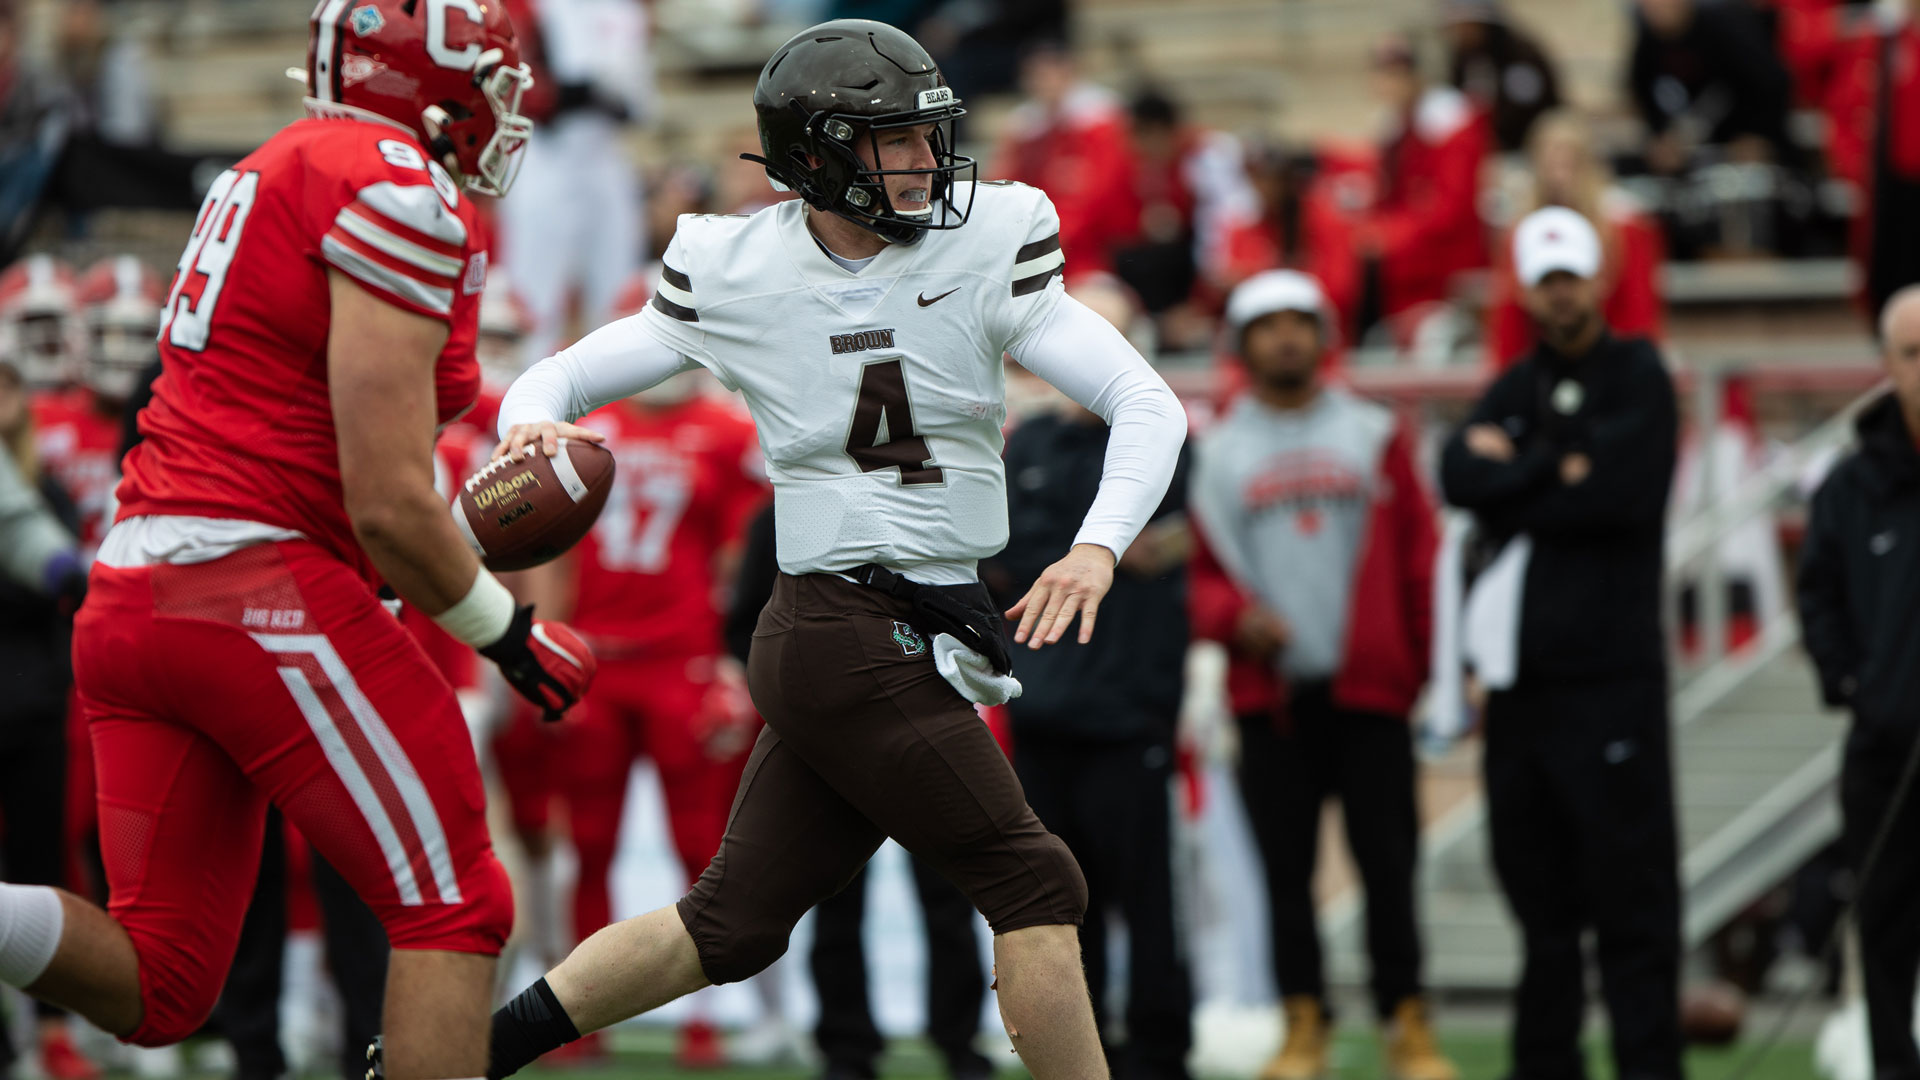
x: 675, y: 278
x: 1026, y: 285
x: 668, y: 307
x: 1037, y: 248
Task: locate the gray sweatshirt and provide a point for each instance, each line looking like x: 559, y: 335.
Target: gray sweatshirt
x: 1283, y: 497
x: 30, y: 536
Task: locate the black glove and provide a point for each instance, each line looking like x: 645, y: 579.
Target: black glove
x: 545, y: 661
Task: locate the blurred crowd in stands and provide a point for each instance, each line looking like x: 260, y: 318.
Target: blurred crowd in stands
x: 1766, y: 129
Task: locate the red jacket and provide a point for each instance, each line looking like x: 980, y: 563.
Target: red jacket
x: 1387, y: 649
x: 1426, y: 224
x: 1634, y: 305
x: 1084, y: 161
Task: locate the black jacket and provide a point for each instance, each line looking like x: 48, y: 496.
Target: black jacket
x: 1511, y: 77
x: 35, y: 633
x: 1722, y: 71
x: 1591, y: 605
x: 1859, y: 584
x: 1126, y: 683
x: 759, y: 569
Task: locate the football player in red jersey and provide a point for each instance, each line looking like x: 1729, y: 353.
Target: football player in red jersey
x: 40, y: 322
x: 232, y: 650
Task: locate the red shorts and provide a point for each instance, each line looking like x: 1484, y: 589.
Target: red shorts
x: 647, y: 705
x: 528, y: 753
x: 273, y: 674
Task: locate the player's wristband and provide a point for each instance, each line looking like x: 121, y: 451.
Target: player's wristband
x: 481, y: 616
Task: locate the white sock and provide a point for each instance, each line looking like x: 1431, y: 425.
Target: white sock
x: 30, y: 921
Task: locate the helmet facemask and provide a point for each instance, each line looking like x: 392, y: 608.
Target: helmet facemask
x: 839, y: 182
x: 493, y: 169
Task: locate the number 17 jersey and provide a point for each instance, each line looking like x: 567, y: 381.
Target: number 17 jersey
x: 878, y: 395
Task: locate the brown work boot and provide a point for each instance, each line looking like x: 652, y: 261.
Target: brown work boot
x: 1304, y: 1055
x: 1412, y: 1051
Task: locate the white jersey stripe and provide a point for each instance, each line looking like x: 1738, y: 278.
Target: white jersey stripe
x: 385, y: 277
x: 1040, y: 265
x: 426, y: 820
x: 676, y: 294
x: 334, y: 745
x: 418, y: 207
x: 400, y: 248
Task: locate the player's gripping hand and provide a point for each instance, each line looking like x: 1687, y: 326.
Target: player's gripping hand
x: 1075, y: 584
x: 546, y: 434
x: 544, y: 660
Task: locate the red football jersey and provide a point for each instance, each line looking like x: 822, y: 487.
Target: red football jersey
x: 687, y: 478
x: 241, y: 425
x: 80, y: 446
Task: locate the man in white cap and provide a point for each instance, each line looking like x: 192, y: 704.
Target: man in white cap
x: 1570, y: 455
x: 1314, y: 568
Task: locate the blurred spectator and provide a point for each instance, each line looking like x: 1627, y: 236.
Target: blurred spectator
x: 1425, y: 226
x: 33, y: 127
x: 1858, y: 588
x: 1705, y: 73
x: 104, y: 72
x: 1565, y: 464
x: 573, y: 228
x: 34, y: 682
x: 1567, y: 172
x: 1875, y: 143
x: 1093, y: 731
x: 978, y: 43
x: 846, y: 1034
x: 1069, y: 138
x: 1506, y: 72
x: 1194, y: 192
x: 1314, y: 567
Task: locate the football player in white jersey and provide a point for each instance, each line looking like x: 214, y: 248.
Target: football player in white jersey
x: 865, y: 324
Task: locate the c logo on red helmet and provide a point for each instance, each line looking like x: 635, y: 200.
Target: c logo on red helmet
x: 438, y: 11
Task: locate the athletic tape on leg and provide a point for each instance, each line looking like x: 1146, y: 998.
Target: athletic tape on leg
x: 30, y: 922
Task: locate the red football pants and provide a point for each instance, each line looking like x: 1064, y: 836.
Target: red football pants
x: 645, y: 705
x: 273, y: 674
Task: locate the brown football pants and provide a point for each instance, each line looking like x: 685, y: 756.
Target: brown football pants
x: 864, y: 741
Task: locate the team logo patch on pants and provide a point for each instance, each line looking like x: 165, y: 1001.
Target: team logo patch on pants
x: 909, y: 639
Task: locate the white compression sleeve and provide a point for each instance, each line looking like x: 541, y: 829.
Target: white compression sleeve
x: 618, y: 360
x: 31, y: 919
x: 1088, y: 360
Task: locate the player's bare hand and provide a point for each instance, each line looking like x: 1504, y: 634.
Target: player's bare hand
x: 546, y: 434
x: 1073, y: 586
x: 1490, y: 441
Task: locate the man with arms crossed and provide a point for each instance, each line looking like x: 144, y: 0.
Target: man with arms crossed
x: 865, y: 327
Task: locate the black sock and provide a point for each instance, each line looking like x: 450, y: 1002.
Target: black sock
x: 525, y: 1028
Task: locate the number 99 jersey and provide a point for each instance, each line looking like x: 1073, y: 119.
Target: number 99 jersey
x: 241, y: 422
x: 878, y: 395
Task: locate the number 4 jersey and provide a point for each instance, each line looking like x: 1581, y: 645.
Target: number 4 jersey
x: 879, y: 394
x: 241, y: 423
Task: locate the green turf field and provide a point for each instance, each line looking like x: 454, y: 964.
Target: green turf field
x: 647, y: 1054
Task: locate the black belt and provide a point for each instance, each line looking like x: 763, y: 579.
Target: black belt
x: 964, y: 611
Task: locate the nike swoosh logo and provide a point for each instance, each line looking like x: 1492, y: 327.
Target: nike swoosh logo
x: 924, y: 302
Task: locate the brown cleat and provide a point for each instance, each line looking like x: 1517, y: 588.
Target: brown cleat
x: 1303, y: 1056
x: 1412, y: 1051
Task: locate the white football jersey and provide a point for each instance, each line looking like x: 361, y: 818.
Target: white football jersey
x: 878, y: 395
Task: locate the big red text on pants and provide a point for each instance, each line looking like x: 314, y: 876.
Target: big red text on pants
x: 273, y: 674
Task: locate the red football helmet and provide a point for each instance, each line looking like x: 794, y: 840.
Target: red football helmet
x: 447, y: 70
x: 120, y: 302
x: 40, y: 329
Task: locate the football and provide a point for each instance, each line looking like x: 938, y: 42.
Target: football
x: 517, y: 514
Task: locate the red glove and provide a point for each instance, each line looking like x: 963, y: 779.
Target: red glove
x: 545, y: 661
x: 727, y: 722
